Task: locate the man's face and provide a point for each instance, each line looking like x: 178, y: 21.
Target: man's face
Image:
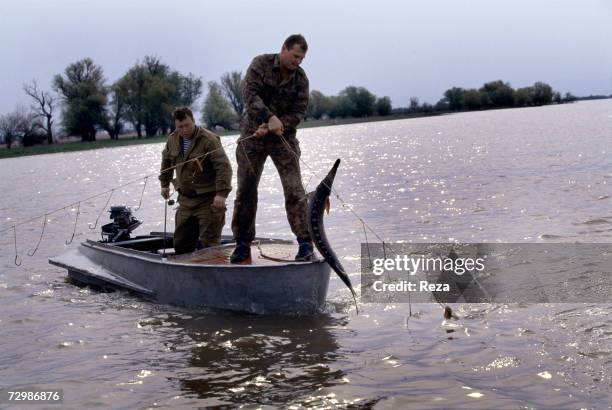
x: 185, y: 127
x: 290, y: 59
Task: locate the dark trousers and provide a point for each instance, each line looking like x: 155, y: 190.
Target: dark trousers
x: 251, y: 156
x: 197, y: 220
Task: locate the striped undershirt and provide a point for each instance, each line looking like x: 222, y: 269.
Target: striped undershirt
x: 186, y: 144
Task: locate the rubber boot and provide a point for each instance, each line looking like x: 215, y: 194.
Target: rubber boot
x: 241, y: 253
x: 305, y: 252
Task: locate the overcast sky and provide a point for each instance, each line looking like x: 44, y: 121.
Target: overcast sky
x: 395, y: 48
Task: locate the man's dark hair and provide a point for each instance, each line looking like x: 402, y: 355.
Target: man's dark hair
x: 180, y: 113
x: 296, y: 39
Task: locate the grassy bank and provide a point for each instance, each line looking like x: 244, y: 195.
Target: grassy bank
x: 75, y: 146
x: 107, y: 143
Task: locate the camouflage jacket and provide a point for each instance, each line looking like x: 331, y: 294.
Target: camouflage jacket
x: 265, y: 94
x: 217, y: 175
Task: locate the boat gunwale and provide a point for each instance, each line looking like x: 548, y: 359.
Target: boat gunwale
x: 150, y: 257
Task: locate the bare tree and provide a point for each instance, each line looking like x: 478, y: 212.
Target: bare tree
x: 43, y: 107
x: 18, y: 125
x: 8, y: 129
x: 231, y: 83
x: 414, y: 104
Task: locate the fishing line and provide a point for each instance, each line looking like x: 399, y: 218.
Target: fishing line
x: 40, y: 238
x: 197, y: 158
x: 342, y: 201
x: 142, y: 193
x: 75, y: 224
x: 130, y: 182
x: 247, y: 157
x: 111, y: 191
x: 365, y: 233
x: 17, y: 257
x: 362, y: 220
x: 309, y: 179
x: 102, y: 210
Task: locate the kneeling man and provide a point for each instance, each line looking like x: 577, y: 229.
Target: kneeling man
x: 203, y: 183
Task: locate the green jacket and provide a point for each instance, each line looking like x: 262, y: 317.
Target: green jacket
x: 266, y: 94
x: 217, y: 175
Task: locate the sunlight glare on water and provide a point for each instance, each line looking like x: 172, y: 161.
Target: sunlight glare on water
x: 522, y: 175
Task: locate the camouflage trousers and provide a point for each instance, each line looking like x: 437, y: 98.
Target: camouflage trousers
x: 197, y: 220
x: 251, y: 156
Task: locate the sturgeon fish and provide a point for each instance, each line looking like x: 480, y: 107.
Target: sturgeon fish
x: 318, y: 202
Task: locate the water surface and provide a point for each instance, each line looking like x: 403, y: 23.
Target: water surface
x: 521, y: 175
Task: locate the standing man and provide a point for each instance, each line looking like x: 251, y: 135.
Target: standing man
x: 275, y: 93
x: 203, y: 183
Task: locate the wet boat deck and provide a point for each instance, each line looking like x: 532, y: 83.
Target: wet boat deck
x: 267, y: 254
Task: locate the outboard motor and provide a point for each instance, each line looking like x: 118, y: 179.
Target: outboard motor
x: 123, y: 223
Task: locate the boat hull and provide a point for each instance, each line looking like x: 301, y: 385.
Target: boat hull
x: 278, y: 288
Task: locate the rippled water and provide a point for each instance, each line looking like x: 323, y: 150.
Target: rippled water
x: 521, y: 175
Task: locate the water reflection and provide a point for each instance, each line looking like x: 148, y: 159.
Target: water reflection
x: 525, y: 175
x: 239, y: 358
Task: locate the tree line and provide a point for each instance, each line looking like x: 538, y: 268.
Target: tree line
x: 224, y: 106
x: 143, y: 99
x: 493, y: 94
x: 350, y: 102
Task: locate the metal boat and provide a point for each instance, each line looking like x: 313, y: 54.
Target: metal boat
x: 271, y: 283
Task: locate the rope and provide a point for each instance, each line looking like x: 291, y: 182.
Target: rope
x: 257, y: 243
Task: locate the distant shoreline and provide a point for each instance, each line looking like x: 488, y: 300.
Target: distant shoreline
x: 123, y: 141
x: 128, y: 140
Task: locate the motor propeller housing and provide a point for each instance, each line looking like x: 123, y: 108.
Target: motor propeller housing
x: 121, y: 227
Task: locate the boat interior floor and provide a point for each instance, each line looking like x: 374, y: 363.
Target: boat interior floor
x: 265, y: 254
x: 264, y: 251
